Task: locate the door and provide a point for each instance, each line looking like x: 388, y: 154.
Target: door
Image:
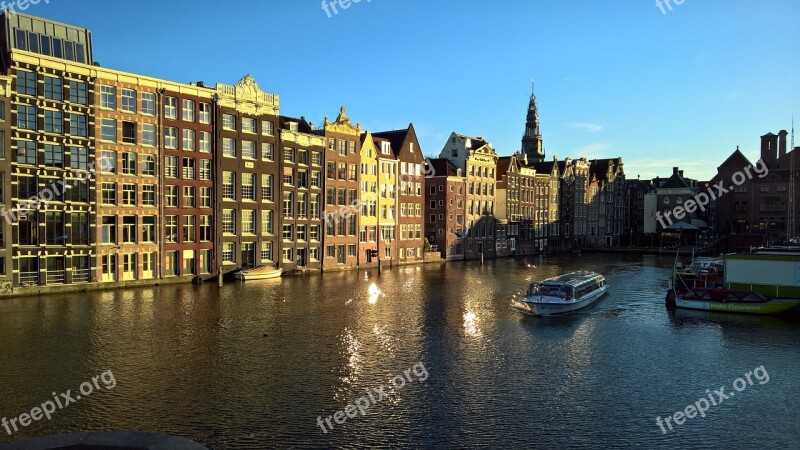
x: 301, y: 257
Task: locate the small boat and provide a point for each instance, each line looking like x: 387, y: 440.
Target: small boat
x: 727, y: 300
x: 259, y: 273
x: 563, y: 294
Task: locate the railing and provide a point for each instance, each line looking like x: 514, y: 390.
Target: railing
x: 56, y: 277
x: 29, y: 278
x: 80, y: 275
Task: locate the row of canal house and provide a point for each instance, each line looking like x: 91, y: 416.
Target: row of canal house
x: 137, y: 178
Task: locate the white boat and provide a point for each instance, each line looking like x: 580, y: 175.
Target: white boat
x: 563, y: 294
x: 259, y: 273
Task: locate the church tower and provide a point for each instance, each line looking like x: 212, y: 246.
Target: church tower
x: 532, y: 140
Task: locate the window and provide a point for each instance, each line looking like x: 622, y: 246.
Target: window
x: 267, y: 127
x: 316, y: 158
x: 248, y: 186
x: 54, y: 228
x: 149, y: 229
x: 316, y: 179
x: 108, y: 130
x: 205, y: 170
x: 229, y: 122
x: 171, y: 108
x: 188, y: 169
x: 109, y: 230
x: 288, y: 155
x: 129, y: 194
x: 129, y: 100
x: 149, y: 134
x: 171, y: 138
x: 53, y: 121
x: 53, y: 88
x: 78, y: 158
x: 205, y: 229
x: 188, y: 228
x: 205, y: 197
x: 108, y: 193
x: 301, y: 232
x: 205, y: 142
x: 288, y: 233
x: 171, y: 196
x: 26, y: 83
x: 77, y: 125
x: 171, y: 167
x: 314, y: 233
x: 26, y: 152
x: 53, y: 155
x: 205, y: 113
x: 171, y: 229
x: 149, y: 103
x: 266, y: 187
x: 26, y: 117
x: 79, y: 233
x: 248, y: 149
x: 229, y: 252
x: 188, y: 140
x: 108, y: 97
x: 188, y: 197
x: 248, y: 125
x: 267, y: 222
x: 129, y: 163
x: 267, y: 152
x: 288, y: 204
x: 108, y: 161
x: 229, y: 147
x: 148, y: 195
x: 228, y: 185
x: 78, y: 92
x: 266, y: 252
x: 229, y: 221
x: 248, y: 221
x: 129, y: 229
x: 302, y: 156
x: 187, y: 106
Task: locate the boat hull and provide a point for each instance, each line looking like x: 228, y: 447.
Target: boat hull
x: 258, y: 275
x: 551, y: 309
x: 769, y: 307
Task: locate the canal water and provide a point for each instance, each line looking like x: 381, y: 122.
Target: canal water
x: 253, y: 366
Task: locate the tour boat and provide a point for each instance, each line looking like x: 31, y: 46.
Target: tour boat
x: 259, y: 273
x: 727, y: 300
x: 760, y: 283
x: 563, y: 294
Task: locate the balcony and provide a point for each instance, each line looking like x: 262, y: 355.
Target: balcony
x: 80, y: 275
x: 29, y: 278
x: 56, y: 277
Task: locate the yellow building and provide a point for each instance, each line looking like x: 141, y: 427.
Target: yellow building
x: 387, y: 200
x: 368, y: 202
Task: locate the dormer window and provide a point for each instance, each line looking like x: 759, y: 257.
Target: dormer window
x: 293, y: 126
x: 411, y: 146
x: 385, y: 148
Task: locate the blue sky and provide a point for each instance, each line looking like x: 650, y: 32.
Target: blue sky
x: 613, y: 78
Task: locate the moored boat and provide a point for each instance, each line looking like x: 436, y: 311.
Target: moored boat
x: 562, y: 294
x: 259, y: 273
x: 727, y: 300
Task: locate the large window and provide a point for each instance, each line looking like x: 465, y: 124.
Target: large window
x: 205, y: 229
x: 129, y: 132
x: 108, y: 97
x: 229, y: 221
x: 188, y: 229
x: 205, y: 142
x: 205, y: 170
x: 267, y: 151
x: 149, y: 103
x: 53, y: 121
x: 129, y: 100
x: 205, y: 113
x: 55, y: 228
x: 229, y: 122
x: 187, y: 107
x: 53, y: 88
x: 228, y: 185
x: 171, y: 196
x: 108, y: 130
x: 171, y: 229
x: 171, y: 138
x: 205, y: 197
x: 108, y: 193
x: 149, y: 165
x: 129, y: 229
x: 26, y: 117
x: 170, y: 107
x: 53, y: 155
x: 188, y: 169
x: 129, y: 163
x: 267, y: 222
x: 248, y: 125
x: 266, y: 187
x: 78, y: 92
x: 229, y: 147
x: 248, y: 149
x: 108, y: 161
x: 77, y: 124
x: 171, y: 167
x: 26, y: 152
x: 188, y: 140
x: 188, y: 196
x: 79, y: 232
x: 248, y: 221
x: 109, y: 230
x: 149, y: 229
x: 129, y: 194
x: 248, y: 186
x: 148, y: 195
x: 26, y: 83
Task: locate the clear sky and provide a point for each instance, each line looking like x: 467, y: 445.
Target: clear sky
x: 613, y: 77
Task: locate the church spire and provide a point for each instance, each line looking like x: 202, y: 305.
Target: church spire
x: 532, y: 140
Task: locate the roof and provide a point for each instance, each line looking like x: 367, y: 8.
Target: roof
x: 477, y: 142
x: 503, y: 163
x: 379, y: 144
x: 302, y: 125
x: 443, y: 167
x: 599, y: 167
x: 675, y: 182
x: 395, y: 137
x: 737, y: 160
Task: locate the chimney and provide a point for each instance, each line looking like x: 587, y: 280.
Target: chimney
x: 674, y: 170
x: 680, y: 172
x: 782, y: 143
x: 769, y: 149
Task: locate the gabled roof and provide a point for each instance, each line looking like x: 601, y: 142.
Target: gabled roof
x: 302, y: 125
x: 504, y: 164
x: 675, y: 182
x: 737, y: 160
x: 477, y: 142
x: 379, y: 145
x: 442, y: 167
x: 599, y: 168
x: 395, y: 137
x: 545, y: 167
